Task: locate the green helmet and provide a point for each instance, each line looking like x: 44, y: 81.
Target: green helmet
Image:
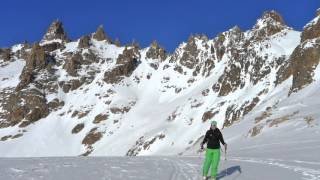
x: 214, y: 123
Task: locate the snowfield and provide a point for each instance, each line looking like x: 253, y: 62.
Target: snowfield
x: 154, y: 167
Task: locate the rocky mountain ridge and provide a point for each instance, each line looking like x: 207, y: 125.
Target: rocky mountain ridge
x: 90, y: 92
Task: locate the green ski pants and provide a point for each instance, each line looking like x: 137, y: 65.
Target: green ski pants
x: 212, y: 159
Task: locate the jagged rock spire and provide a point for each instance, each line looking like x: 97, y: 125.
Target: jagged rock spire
x: 100, y: 35
x: 270, y: 23
x: 55, y: 31
x: 269, y: 18
x: 273, y: 15
x: 156, y: 52
x: 154, y: 44
x: 84, y: 42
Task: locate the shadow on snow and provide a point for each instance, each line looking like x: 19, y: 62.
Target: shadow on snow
x: 228, y: 172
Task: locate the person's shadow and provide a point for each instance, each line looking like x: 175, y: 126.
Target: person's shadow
x: 228, y: 171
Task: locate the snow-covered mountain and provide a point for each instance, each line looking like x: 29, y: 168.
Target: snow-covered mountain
x: 93, y: 96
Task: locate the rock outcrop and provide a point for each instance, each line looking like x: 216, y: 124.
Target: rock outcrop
x: 26, y: 107
x: 55, y: 32
x: 84, y: 42
x: 5, y: 54
x: 305, y: 58
x: 269, y: 24
x: 73, y: 63
x: 190, y: 54
x: 156, y: 52
x: 312, y: 29
x: 100, y: 35
x: 304, y: 61
x: 37, y: 60
x: 126, y: 64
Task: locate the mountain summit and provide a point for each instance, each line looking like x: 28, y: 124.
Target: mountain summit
x: 55, y: 32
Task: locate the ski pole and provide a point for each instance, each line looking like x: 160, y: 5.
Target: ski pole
x: 225, y: 158
x: 225, y: 152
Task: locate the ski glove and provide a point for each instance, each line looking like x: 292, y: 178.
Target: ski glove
x: 201, y: 146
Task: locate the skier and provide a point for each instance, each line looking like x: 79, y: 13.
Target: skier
x: 213, y: 138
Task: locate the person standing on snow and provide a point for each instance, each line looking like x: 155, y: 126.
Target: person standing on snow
x: 213, y: 138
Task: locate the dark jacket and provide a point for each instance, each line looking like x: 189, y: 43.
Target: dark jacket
x: 213, y: 139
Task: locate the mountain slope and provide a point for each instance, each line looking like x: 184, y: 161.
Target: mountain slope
x: 94, y: 97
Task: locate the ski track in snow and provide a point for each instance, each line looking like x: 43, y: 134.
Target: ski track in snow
x: 152, y: 167
x: 311, y: 174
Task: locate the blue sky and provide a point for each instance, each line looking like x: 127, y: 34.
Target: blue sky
x: 168, y: 21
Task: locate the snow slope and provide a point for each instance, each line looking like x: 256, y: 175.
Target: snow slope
x: 155, y: 167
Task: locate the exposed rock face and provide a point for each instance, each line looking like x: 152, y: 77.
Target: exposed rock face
x: 230, y: 80
x: 208, y: 115
x: 255, y: 130
x: 49, y: 47
x: 197, y: 54
x: 24, y: 52
x: 190, y: 55
x: 126, y: 64
x: 129, y: 54
x: 270, y: 16
x: 25, y: 78
x: 312, y: 29
x: 270, y: 23
x: 37, y: 60
x: 55, y: 37
x: 143, y: 144
x: 55, y: 104
x: 246, y: 61
x: 100, y: 35
x: 232, y: 114
x: 284, y: 72
x: 156, y: 52
x: 92, y: 137
x: 26, y: 107
x: 99, y: 118
x: 304, y: 61
x: 235, y: 112
x: 55, y: 32
x: 219, y: 48
x: 5, y: 54
x: 235, y: 35
x: 71, y: 85
x: 77, y: 128
x: 73, y: 64
x: 84, y: 42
